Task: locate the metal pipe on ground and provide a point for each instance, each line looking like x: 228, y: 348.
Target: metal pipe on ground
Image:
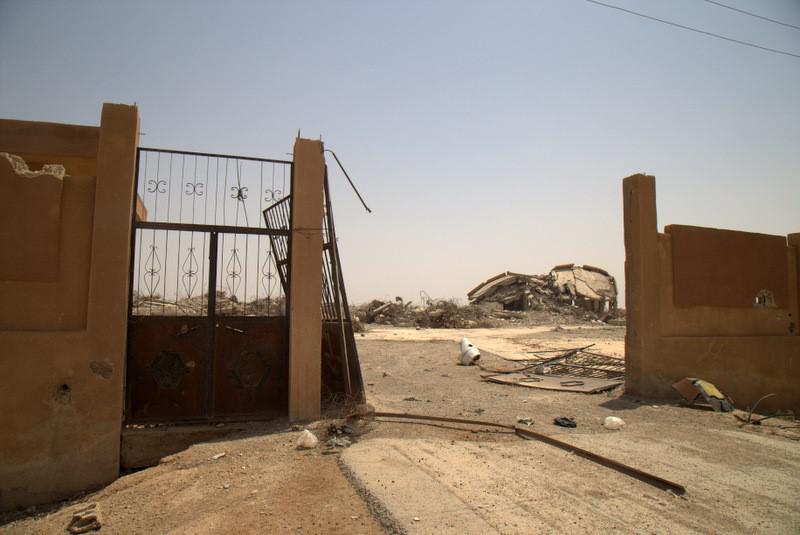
x: 656, y: 481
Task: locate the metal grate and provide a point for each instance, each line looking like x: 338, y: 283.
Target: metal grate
x: 277, y: 218
x: 188, y: 197
x: 585, y: 364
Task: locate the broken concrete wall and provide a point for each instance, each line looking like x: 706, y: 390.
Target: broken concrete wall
x: 717, y: 304
x: 65, y: 245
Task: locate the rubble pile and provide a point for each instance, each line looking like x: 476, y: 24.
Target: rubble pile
x: 156, y: 305
x: 435, y: 313
x: 587, y: 287
x: 584, y: 293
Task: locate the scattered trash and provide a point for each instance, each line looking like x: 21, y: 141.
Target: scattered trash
x: 226, y: 486
x: 307, y: 440
x: 564, y: 421
x: 613, y: 423
x: 337, y: 441
x: 525, y: 420
x: 337, y: 430
x: 337, y: 436
x: 571, y: 370
x: 469, y: 353
x: 416, y: 519
x: 692, y: 389
x: 218, y: 456
x: 85, y: 520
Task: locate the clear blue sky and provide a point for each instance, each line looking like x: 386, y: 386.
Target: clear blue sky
x: 486, y: 136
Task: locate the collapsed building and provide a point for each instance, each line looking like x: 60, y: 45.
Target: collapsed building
x: 588, y: 287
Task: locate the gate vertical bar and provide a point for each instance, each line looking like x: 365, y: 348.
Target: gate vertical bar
x: 125, y: 392
x: 212, y: 323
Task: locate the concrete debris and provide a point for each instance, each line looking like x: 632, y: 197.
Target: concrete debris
x: 85, y: 520
x: 586, y: 287
x: 227, y: 305
x: 613, y: 423
x: 438, y: 314
x: 307, y: 440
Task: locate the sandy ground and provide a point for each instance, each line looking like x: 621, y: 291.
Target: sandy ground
x: 515, y: 343
x: 403, y: 477
x: 262, y: 485
x: 463, y: 480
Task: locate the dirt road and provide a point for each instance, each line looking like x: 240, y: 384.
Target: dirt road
x: 429, y: 479
x: 461, y: 481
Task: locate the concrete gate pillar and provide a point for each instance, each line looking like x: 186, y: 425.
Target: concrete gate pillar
x: 305, y: 280
x: 642, y: 307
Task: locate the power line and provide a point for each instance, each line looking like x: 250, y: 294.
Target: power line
x: 710, y: 34
x: 720, y: 4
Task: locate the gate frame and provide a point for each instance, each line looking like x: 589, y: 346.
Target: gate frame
x: 211, y: 315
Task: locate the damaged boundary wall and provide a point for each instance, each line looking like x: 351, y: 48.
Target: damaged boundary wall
x: 717, y: 304
x: 67, y: 207
x: 65, y: 242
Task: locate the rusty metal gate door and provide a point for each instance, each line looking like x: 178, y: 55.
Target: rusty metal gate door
x: 208, y: 332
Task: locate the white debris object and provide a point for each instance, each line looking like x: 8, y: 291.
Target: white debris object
x: 218, y: 456
x: 307, y: 440
x: 613, y: 423
x: 469, y: 353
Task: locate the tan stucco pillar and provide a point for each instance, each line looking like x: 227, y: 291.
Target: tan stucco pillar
x: 642, y: 276
x: 305, y: 281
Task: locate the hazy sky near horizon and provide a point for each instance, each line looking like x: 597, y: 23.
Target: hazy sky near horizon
x: 485, y: 136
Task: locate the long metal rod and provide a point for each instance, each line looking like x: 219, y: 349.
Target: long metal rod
x: 221, y: 229
x: 641, y: 475
x: 360, y: 198
x: 336, y: 286
x: 213, y: 155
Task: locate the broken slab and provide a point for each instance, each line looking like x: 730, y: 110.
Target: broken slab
x: 585, y: 385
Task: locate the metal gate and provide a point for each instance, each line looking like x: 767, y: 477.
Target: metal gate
x: 208, y: 332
